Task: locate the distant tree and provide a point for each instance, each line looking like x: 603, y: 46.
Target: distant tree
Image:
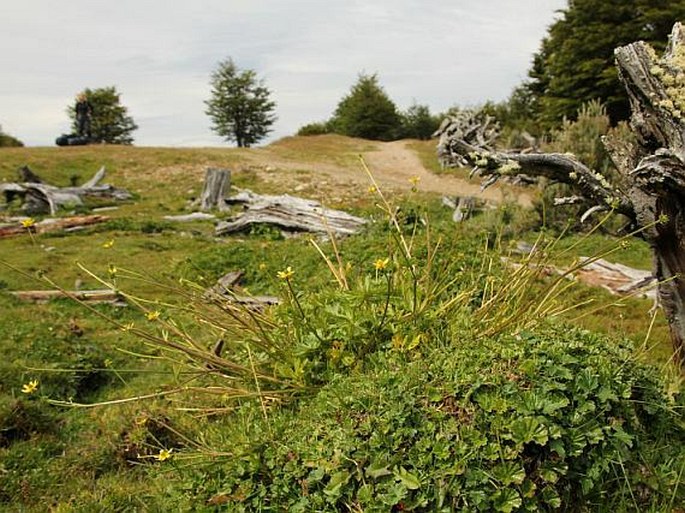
x: 575, y: 63
x: 367, y: 112
x: 7, y: 141
x: 110, y: 122
x: 418, y: 122
x: 240, y: 106
x: 316, y: 128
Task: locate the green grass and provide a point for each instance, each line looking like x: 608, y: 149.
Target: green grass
x: 73, y: 459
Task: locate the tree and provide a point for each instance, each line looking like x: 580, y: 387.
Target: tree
x: 418, y: 122
x: 575, y: 62
x: 7, y: 141
x: 650, y: 187
x: 367, y: 112
x: 240, y: 106
x: 110, y: 122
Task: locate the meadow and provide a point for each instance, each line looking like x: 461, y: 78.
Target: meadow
x: 407, y: 368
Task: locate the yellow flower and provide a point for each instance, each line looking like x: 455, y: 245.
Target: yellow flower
x: 112, y: 270
x: 381, y: 264
x: 152, y: 316
x: 108, y: 244
x: 262, y: 266
x: 287, y: 274
x: 372, y: 189
x: 28, y: 223
x: 414, y: 180
x: 30, y: 387
x: 164, y: 454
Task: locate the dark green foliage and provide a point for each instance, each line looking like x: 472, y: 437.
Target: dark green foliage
x: 418, y: 122
x: 575, y: 63
x: 240, y: 106
x: 367, y: 112
x: 318, y: 128
x: 7, y: 141
x: 535, y: 422
x: 110, y: 122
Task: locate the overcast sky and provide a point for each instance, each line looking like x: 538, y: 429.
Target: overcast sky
x: 160, y: 53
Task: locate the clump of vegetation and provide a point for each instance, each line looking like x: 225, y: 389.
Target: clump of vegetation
x: 7, y: 141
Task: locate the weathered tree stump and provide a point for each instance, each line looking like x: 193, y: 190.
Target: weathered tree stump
x: 651, y: 190
x: 216, y: 187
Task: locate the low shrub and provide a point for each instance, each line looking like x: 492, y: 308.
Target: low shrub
x: 555, y: 419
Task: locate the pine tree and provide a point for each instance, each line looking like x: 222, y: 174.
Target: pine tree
x: 367, y: 112
x: 240, y: 106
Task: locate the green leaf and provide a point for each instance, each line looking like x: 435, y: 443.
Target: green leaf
x: 507, y: 500
x: 334, y: 486
x: 411, y: 481
x: 376, y: 470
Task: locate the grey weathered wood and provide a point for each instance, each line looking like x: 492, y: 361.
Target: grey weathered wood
x: 51, y: 225
x: 651, y: 190
x: 86, y: 296
x: 288, y: 213
x: 41, y: 198
x: 194, y: 216
x: 216, y: 186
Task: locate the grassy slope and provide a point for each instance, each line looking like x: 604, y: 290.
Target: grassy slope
x: 89, y: 444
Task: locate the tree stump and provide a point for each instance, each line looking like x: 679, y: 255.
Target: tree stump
x: 216, y: 187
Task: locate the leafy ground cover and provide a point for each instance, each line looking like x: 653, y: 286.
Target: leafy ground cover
x: 407, y: 370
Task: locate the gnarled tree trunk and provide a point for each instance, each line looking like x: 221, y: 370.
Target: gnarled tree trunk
x: 652, y: 188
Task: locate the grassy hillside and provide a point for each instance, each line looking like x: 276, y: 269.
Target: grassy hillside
x: 396, y: 311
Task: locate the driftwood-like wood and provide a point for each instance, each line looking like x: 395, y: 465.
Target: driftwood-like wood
x: 226, y: 290
x: 216, y: 187
x: 87, y: 296
x: 651, y: 191
x: 194, y: 216
x: 290, y: 214
x: 463, y: 207
x: 41, y: 198
x: 51, y: 225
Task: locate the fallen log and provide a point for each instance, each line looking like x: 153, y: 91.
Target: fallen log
x: 290, y: 214
x: 226, y: 290
x: 51, y: 225
x: 87, y: 296
x: 41, y: 198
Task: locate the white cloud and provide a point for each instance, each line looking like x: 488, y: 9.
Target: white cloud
x: 159, y: 55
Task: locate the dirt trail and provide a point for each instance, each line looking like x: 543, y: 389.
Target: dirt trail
x: 393, y: 165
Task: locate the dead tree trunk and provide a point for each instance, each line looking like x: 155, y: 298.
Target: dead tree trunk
x: 652, y: 189
x: 217, y: 184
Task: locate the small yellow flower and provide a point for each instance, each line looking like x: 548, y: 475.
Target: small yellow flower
x: 30, y: 387
x: 262, y: 266
x: 28, y: 223
x: 128, y: 327
x: 372, y: 189
x: 287, y: 274
x: 380, y: 264
x: 152, y: 316
x: 112, y: 270
x: 414, y: 180
x: 108, y: 244
x: 164, y: 454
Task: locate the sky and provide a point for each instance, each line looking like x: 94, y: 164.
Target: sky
x: 159, y: 54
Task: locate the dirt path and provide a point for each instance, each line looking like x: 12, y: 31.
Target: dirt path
x: 394, y: 166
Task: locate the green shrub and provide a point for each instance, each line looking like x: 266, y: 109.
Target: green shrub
x: 542, y: 421
x: 315, y: 129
